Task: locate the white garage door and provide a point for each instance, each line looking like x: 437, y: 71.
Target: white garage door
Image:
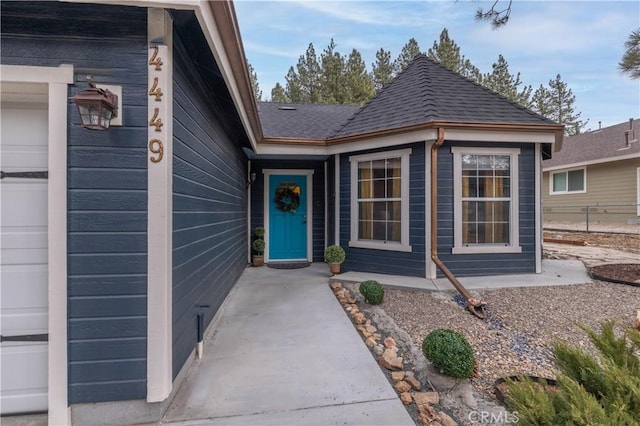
x: 23, y: 261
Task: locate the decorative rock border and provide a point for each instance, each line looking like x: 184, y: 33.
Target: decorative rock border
x: 388, y: 355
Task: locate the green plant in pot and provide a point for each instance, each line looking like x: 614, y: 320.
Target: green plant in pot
x: 334, y: 256
x: 258, y: 246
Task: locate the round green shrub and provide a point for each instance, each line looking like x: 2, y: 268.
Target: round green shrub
x: 259, y: 231
x: 372, y: 291
x: 258, y: 247
x: 450, y: 352
x: 334, y: 254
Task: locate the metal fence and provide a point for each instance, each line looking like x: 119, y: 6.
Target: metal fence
x: 595, y: 217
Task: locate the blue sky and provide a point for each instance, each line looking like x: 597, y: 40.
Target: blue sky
x: 582, y: 41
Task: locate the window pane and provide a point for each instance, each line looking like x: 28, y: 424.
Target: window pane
x: 394, y: 211
x: 379, y: 231
x: 559, y: 182
x: 365, y: 210
x: 469, y: 162
x: 393, y: 168
x: 364, y: 170
x: 393, y: 231
x: 378, y: 169
x: 365, y: 189
x: 394, y: 188
x: 501, y: 162
x: 469, y: 184
x: 380, y: 210
x: 379, y: 188
x: 575, y: 180
x: 364, y: 230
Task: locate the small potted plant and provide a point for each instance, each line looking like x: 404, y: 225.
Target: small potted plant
x: 258, y: 247
x: 334, y: 256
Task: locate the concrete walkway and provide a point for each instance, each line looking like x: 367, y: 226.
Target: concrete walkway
x: 554, y: 272
x: 284, y: 352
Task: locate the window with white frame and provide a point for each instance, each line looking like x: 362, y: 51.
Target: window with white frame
x: 486, y: 200
x: 380, y: 200
x: 568, y: 181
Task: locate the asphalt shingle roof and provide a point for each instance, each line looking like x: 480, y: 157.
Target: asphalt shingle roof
x: 427, y: 91
x: 606, y: 143
x: 424, y: 92
x: 302, y: 121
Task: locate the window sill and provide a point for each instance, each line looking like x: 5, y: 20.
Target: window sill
x: 380, y: 246
x: 486, y: 249
x: 567, y: 192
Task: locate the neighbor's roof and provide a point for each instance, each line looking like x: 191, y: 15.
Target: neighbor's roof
x: 603, y: 145
x: 302, y: 121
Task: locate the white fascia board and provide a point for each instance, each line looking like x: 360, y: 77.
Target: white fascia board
x: 211, y: 33
x: 161, y: 4
x: 291, y: 149
x: 496, y: 136
x: 29, y: 74
x: 592, y: 162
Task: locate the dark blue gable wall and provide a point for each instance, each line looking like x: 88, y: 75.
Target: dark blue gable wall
x: 209, y: 194
x: 487, y: 264
x: 386, y: 261
x: 257, y: 198
x: 107, y: 181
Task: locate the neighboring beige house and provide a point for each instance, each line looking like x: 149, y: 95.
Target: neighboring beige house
x: 598, y: 171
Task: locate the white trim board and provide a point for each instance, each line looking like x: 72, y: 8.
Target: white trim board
x: 591, y: 162
x: 160, y: 215
x: 58, y: 79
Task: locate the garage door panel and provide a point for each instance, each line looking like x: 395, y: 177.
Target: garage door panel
x: 24, y: 259
x: 21, y: 286
x: 23, y: 204
x: 25, y: 365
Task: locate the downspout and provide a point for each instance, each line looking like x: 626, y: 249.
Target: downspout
x: 474, y: 305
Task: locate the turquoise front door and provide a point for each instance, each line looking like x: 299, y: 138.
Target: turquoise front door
x: 287, y: 217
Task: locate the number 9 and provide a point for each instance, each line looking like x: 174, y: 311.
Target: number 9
x: 156, y: 147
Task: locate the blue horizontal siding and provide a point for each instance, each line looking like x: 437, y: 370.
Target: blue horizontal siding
x: 486, y: 263
x: 209, y: 194
x: 386, y: 261
x: 107, y: 187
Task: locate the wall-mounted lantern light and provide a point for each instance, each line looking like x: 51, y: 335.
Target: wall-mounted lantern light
x: 96, y: 106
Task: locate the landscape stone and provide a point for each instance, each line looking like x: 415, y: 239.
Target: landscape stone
x: 402, y: 386
x: 446, y: 420
x: 378, y: 349
x: 391, y: 361
x: 371, y: 329
x: 426, y: 398
x: 359, y: 318
x: 415, y: 383
x: 405, y: 397
x: 336, y: 285
x: 390, y: 342
x: 370, y: 342
x: 396, y: 376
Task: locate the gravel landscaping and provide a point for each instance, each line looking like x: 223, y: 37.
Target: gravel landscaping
x: 521, y: 324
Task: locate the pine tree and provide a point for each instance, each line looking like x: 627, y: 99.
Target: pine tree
x: 540, y: 101
x: 309, y: 76
x: 253, y: 76
x: 332, y: 78
x: 557, y: 103
x: 501, y: 81
x: 278, y: 94
x: 447, y: 52
x: 293, y: 89
x: 630, y: 62
x: 409, y: 51
x: 382, y: 69
x: 358, y: 82
x: 562, y: 101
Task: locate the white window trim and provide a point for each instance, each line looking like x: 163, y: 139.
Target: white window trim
x: 514, y: 219
x: 404, y: 216
x: 566, y: 171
